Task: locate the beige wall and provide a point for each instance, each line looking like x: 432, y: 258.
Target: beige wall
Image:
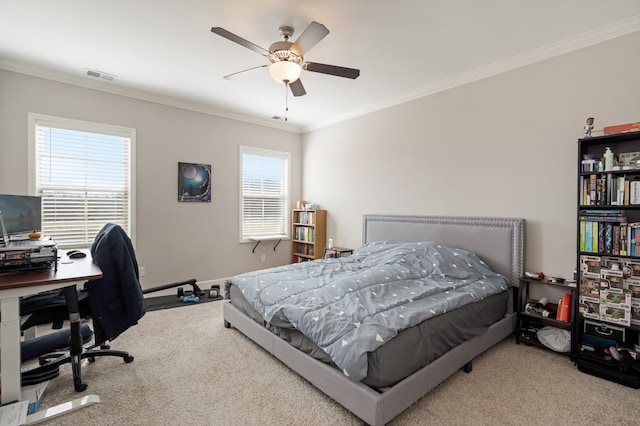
x: 502, y: 146
x: 175, y: 241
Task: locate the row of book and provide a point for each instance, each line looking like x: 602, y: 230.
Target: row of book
x: 306, y: 249
x: 609, y: 289
x: 306, y: 217
x: 609, y: 190
x: 608, y: 232
x: 305, y: 234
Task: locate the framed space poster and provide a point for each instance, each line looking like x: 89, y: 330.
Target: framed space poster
x: 194, y: 182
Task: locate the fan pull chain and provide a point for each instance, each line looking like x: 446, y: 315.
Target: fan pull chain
x: 286, y: 99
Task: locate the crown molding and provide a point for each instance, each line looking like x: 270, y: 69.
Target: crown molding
x: 581, y: 41
x: 115, y: 89
x: 600, y: 35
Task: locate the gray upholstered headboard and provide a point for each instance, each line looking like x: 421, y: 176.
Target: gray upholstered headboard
x: 497, y: 241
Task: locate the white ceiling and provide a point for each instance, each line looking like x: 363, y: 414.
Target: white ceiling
x: 164, y: 50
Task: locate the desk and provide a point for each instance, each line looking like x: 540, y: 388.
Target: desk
x: 13, y: 286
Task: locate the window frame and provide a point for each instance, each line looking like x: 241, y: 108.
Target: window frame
x: 35, y: 119
x: 281, y: 155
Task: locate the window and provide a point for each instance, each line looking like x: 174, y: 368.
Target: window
x: 264, y: 197
x: 84, y: 173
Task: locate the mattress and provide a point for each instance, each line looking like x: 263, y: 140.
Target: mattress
x: 412, y: 348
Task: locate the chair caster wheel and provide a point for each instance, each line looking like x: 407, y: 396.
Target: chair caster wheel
x: 81, y: 387
x: 128, y: 359
x: 91, y: 359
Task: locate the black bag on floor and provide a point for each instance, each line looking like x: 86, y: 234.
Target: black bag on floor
x: 624, y: 372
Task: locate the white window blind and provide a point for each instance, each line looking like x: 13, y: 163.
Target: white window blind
x: 264, y: 193
x: 83, y: 172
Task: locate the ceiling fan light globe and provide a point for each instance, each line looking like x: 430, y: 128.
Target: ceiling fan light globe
x: 285, y: 71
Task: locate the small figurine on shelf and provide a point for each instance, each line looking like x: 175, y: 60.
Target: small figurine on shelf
x: 588, y: 128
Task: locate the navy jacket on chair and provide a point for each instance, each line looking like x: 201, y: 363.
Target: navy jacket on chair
x: 116, y: 299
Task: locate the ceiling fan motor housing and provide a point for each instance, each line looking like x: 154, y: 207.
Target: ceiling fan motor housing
x: 281, y: 51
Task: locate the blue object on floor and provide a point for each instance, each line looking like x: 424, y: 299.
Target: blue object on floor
x: 192, y: 298
x: 51, y: 342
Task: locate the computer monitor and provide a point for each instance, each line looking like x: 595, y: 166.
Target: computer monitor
x: 22, y: 214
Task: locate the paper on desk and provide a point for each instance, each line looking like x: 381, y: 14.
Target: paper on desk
x: 14, y: 414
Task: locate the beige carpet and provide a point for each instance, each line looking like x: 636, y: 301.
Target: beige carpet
x: 190, y: 370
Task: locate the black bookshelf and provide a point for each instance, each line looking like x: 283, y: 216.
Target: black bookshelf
x: 609, y: 257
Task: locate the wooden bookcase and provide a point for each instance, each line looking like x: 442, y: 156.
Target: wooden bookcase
x: 309, y: 234
x: 608, y: 244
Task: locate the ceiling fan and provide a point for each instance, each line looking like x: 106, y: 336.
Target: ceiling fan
x: 286, y: 59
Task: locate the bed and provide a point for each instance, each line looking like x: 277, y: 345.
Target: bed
x: 379, y: 394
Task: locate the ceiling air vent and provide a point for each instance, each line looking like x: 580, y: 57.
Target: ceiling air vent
x: 101, y: 75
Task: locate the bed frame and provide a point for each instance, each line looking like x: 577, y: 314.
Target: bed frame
x: 498, y: 241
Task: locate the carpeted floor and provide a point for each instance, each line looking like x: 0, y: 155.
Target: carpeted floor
x: 190, y: 370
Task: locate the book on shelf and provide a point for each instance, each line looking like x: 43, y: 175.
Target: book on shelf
x: 559, y: 311
x: 566, y: 307
x: 602, y: 215
x: 615, y: 239
x: 621, y: 128
x: 634, y: 192
x: 611, y: 190
x: 591, y: 195
x: 588, y: 237
x: 623, y: 239
x: 606, y: 238
x: 633, y: 244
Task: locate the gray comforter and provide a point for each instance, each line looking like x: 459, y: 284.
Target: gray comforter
x: 350, y: 306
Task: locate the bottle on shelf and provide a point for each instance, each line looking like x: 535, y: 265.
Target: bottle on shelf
x: 608, y: 160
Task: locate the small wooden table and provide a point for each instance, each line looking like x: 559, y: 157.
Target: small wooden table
x: 336, y: 252
x: 13, y: 286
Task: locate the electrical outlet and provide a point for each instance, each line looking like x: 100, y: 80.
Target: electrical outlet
x: 263, y: 257
x: 141, y: 271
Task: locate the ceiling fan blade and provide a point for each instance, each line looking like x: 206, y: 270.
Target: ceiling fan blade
x: 309, y: 38
x: 332, y: 70
x: 235, y: 74
x: 242, y: 42
x: 297, y: 88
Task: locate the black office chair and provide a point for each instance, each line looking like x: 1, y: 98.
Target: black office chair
x: 114, y: 303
